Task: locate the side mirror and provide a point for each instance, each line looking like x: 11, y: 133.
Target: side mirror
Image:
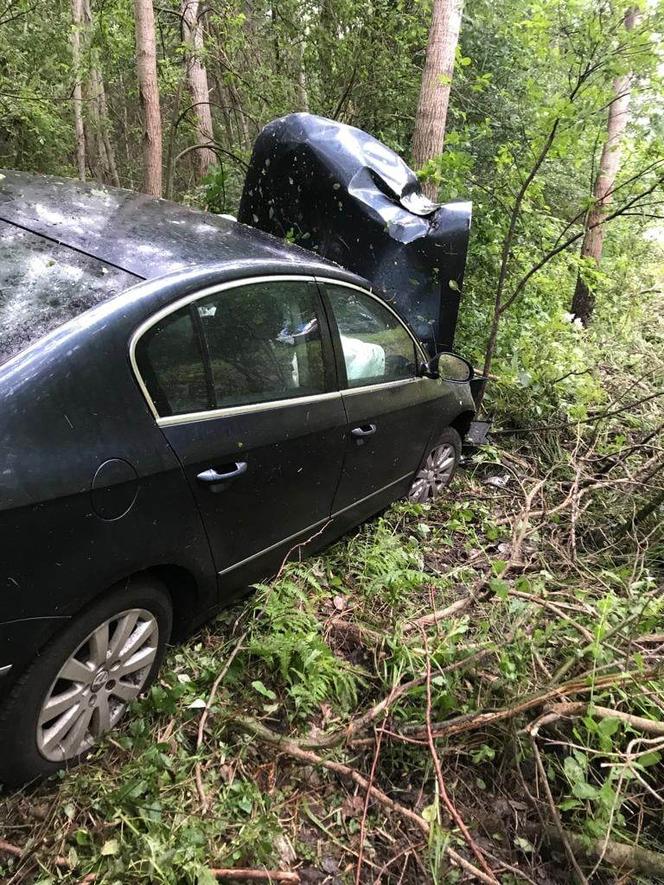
x: 448, y: 366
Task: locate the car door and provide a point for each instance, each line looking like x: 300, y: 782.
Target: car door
x: 243, y: 381
x: 391, y: 410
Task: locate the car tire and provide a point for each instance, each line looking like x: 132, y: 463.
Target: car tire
x: 81, y: 683
x: 437, y: 468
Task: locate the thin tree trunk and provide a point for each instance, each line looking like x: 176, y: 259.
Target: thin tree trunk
x: 77, y: 20
x: 583, y: 302
x: 95, y: 147
x: 198, y: 85
x: 301, y: 82
x: 106, y: 127
x: 431, y: 116
x: 98, y: 107
x: 148, y: 85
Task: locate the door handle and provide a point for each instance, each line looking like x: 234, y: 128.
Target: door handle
x: 364, y: 431
x: 211, y: 475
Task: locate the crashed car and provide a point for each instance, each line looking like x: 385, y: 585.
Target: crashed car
x: 185, y: 399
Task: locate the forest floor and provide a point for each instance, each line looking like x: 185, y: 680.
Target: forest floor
x: 467, y: 691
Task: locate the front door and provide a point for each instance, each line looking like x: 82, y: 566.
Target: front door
x: 391, y: 411
x: 244, y: 383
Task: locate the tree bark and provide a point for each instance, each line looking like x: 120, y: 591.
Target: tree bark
x: 301, y: 82
x: 431, y: 117
x: 197, y: 79
x: 77, y: 95
x: 583, y: 301
x: 97, y: 106
x: 146, y: 69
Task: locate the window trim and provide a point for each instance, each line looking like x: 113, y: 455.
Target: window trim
x: 346, y: 388
x: 327, y: 338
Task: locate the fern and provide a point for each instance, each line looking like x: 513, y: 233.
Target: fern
x: 286, y: 638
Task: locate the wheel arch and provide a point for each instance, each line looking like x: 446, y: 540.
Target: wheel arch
x: 462, y: 423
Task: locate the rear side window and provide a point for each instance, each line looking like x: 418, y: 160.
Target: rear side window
x: 248, y: 344
x: 170, y: 359
x: 43, y: 285
x: 376, y: 346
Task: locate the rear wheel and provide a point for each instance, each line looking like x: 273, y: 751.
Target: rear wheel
x: 437, y: 469
x: 80, y: 686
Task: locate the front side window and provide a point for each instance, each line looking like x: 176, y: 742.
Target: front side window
x: 248, y: 344
x: 376, y: 346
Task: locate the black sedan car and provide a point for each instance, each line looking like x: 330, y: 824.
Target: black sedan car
x: 182, y: 400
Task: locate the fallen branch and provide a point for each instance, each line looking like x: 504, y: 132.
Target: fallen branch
x: 451, y: 808
x: 562, y: 836
x: 308, y: 757
x: 204, y: 717
x: 24, y: 853
x: 618, y: 854
x: 579, y: 708
x: 356, y: 726
x: 13, y: 850
x: 256, y: 875
x: 472, y: 721
x: 442, y: 613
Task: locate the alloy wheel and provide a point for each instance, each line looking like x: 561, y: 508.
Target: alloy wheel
x: 95, y: 684
x: 434, y: 475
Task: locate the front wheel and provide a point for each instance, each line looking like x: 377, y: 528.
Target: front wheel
x: 79, y: 687
x: 437, y: 469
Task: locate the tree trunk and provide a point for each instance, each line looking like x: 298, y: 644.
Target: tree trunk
x: 301, y: 82
x: 77, y: 96
x: 97, y: 106
x: 583, y: 302
x: 148, y: 85
x: 431, y: 115
x: 198, y: 85
x: 106, y: 129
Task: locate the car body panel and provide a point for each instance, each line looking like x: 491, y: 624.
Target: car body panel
x: 379, y: 469
x: 143, y: 235
x: 293, y: 455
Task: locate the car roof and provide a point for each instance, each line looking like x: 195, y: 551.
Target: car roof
x: 141, y: 235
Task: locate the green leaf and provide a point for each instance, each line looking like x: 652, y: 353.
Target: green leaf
x: 499, y: 587
x: 649, y: 759
x: 430, y: 813
x: 110, y: 847
x: 608, y: 727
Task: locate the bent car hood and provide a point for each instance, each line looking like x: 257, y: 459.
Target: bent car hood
x: 339, y: 192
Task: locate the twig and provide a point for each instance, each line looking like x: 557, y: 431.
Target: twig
x: 257, y: 875
x: 17, y: 851
x: 440, y: 614
x: 204, y: 717
x: 451, y: 807
x: 579, y: 708
x: 554, y: 813
x: 297, y: 547
x: 285, y: 745
x: 471, y: 721
x: 555, y: 608
x: 363, y: 822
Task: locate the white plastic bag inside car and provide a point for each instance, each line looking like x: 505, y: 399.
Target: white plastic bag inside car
x: 363, y: 360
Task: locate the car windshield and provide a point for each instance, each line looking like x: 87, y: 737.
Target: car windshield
x: 43, y: 284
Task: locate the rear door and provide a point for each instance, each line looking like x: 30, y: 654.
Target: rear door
x: 243, y: 381
x: 391, y: 411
